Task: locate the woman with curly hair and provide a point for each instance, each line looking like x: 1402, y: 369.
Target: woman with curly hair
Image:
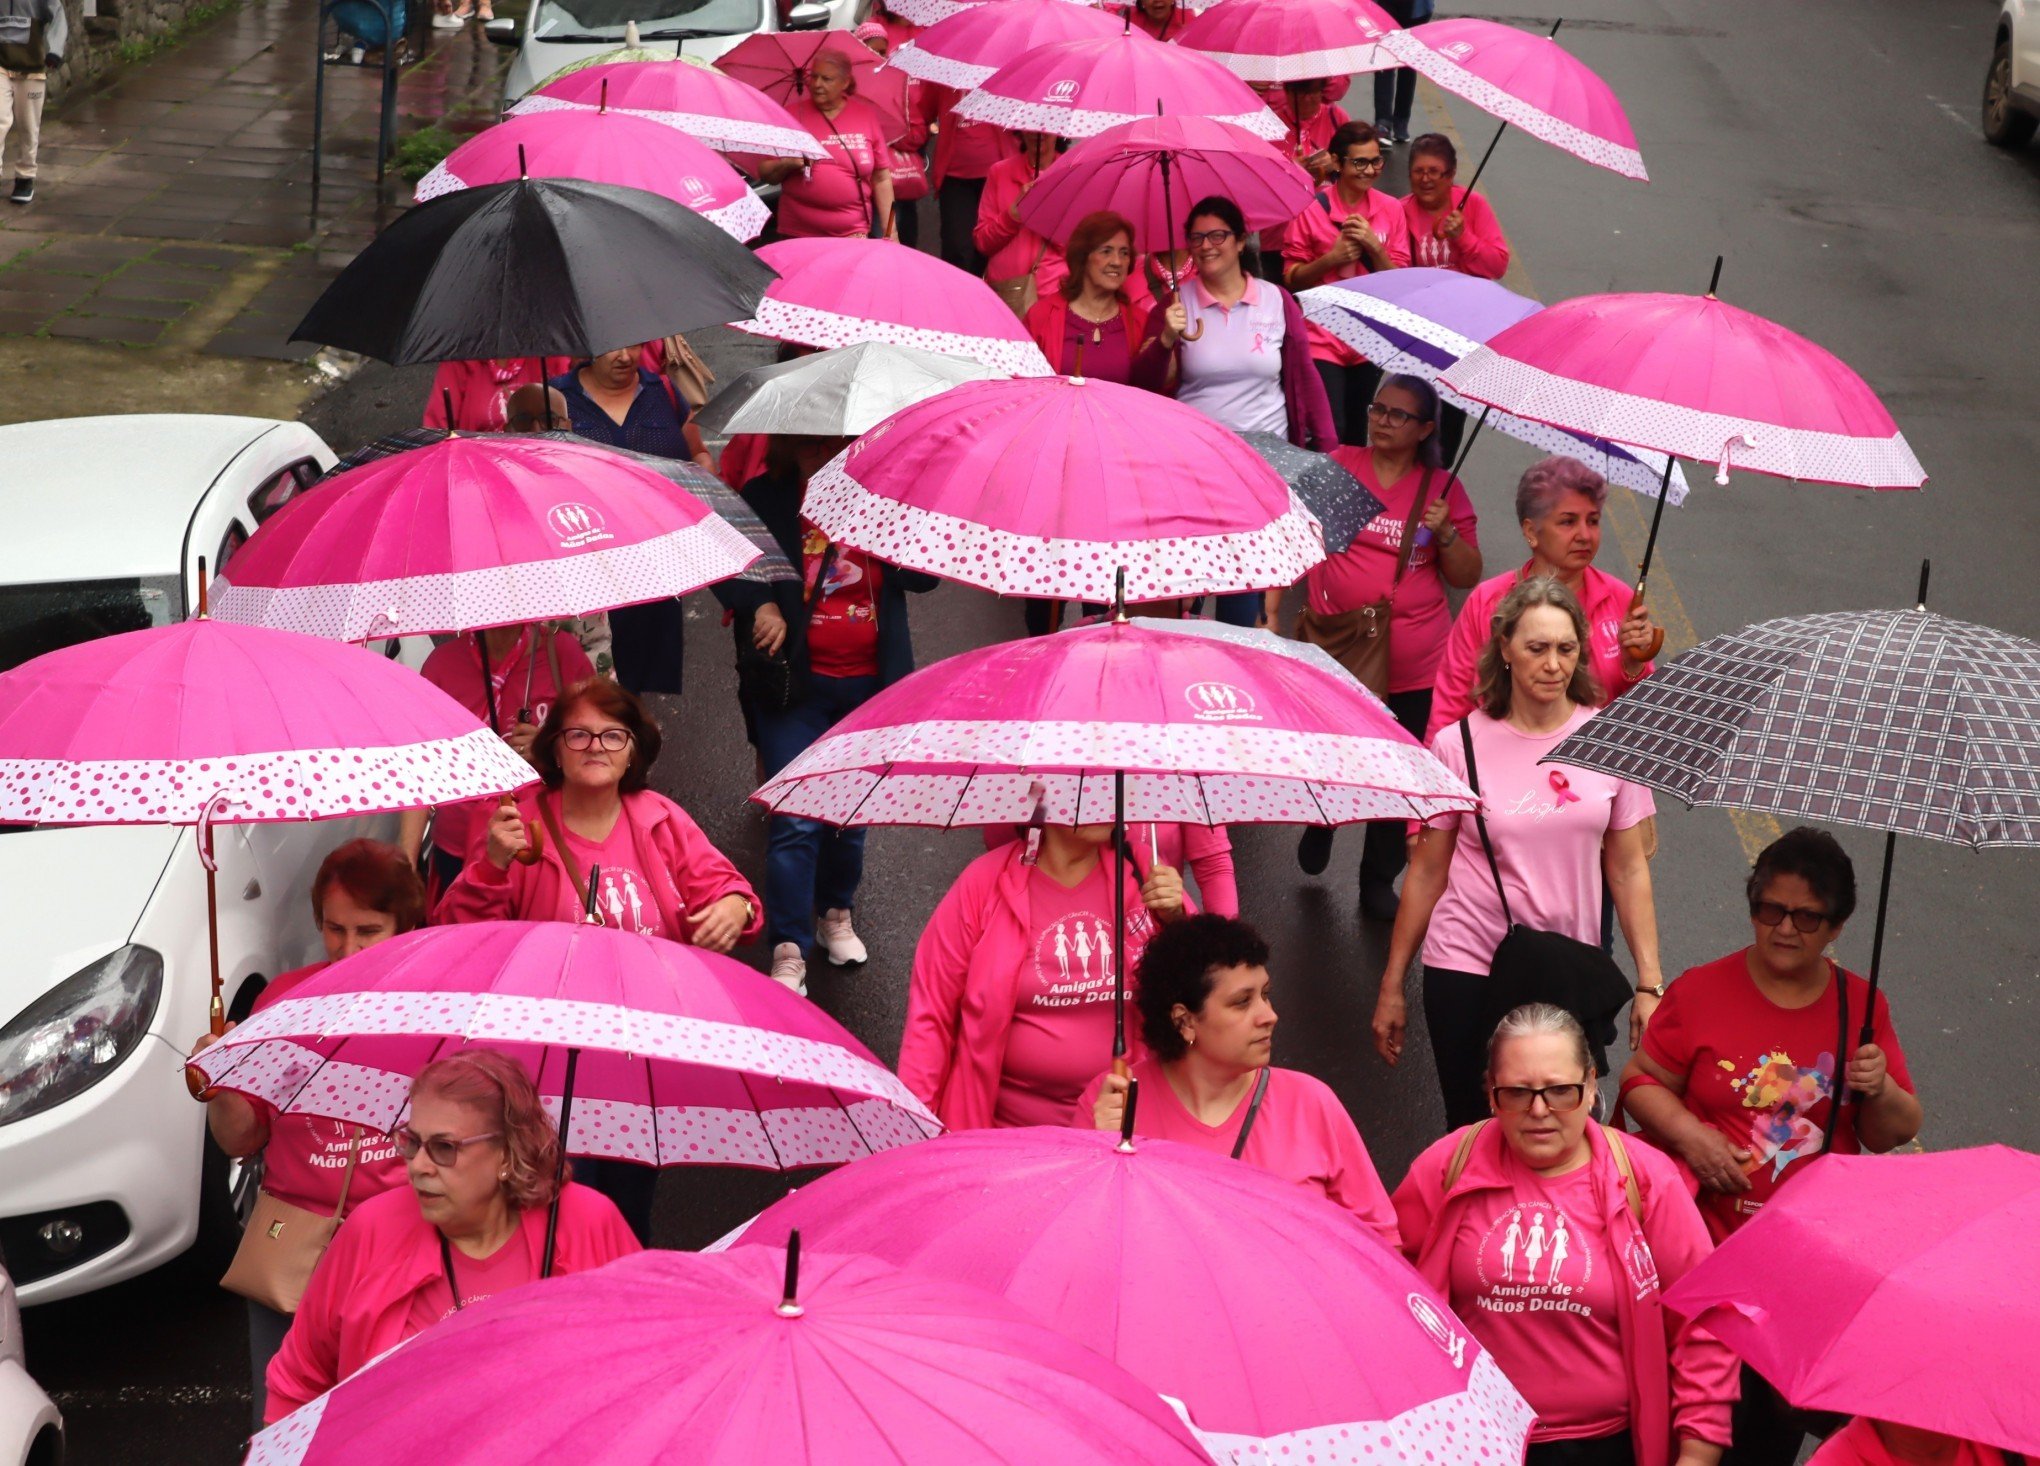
x: 483, y: 1160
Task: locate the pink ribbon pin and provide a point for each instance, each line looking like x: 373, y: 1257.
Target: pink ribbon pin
x: 1260, y: 344
x: 1562, y: 787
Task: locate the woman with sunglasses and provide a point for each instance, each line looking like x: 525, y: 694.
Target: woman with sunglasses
x: 365, y: 892
x: 1737, y: 1072
x: 1350, y: 229
x: 483, y: 1161
x: 1553, y: 1237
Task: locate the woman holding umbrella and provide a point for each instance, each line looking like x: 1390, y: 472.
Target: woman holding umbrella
x: 849, y: 194
x: 1451, y: 228
x: 483, y: 1161
x: 1090, y: 324
x: 1208, y: 1081
x: 1553, y: 1237
x: 1737, y: 1073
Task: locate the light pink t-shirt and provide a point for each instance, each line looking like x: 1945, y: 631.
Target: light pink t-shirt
x: 623, y: 894
x: 1533, y: 1280
x: 1233, y: 372
x: 833, y: 196
x: 509, y: 1266
x: 1062, y: 1022
x: 1302, y: 1134
x: 1547, y: 822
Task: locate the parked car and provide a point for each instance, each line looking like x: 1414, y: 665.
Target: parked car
x: 2011, y: 89
x: 561, y: 31
x: 31, y: 1430
x: 105, y: 1166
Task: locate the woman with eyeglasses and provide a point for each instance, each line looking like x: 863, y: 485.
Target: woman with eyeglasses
x: 1451, y: 228
x: 1234, y: 347
x: 1556, y: 832
x: 1553, y: 1237
x: 1738, y: 1070
x: 1350, y: 229
x: 1391, y: 582
x: 365, y: 892
x: 483, y: 1159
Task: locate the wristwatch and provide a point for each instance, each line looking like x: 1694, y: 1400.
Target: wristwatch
x: 1655, y: 990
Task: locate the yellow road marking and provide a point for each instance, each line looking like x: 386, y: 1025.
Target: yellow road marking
x: 1625, y: 513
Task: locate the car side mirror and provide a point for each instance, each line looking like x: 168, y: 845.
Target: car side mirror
x: 503, y: 32
x: 808, y: 16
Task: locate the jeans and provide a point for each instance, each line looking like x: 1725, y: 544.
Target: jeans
x: 648, y: 643
x: 1239, y: 608
x: 810, y: 867
x: 1350, y: 389
x: 266, y: 1328
x: 1395, y: 91
x: 1605, y: 1450
x: 1452, y: 1016
x: 1387, y: 849
x: 957, y: 201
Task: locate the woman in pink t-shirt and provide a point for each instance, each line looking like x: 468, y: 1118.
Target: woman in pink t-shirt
x: 483, y: 1161
x: 1208, y: 1079
x: 364, y: 892
x: 1557, y: 831
x: 1010, y: 1006
x: 840, y: 195
x: 1554, y: 1238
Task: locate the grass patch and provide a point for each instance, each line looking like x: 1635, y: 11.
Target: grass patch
x: 141, y: 48
x: 418, y: 153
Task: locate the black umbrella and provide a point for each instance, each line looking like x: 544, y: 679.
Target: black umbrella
x: 541, y: 266
x: 1339, y: 502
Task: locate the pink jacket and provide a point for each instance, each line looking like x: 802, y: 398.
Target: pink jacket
x: 1010, y: 248
x: 1682, y: 1380
x: 385, y: 1254
x: 1481, y: 249
x: 965, y: 984
x: 666, y: 840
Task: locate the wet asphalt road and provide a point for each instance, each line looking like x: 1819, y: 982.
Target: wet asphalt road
x: 1828, y: 149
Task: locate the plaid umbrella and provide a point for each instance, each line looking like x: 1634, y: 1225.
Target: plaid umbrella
x: 1339, y: 502
x: 771, y: 566
x: 1902, y: 721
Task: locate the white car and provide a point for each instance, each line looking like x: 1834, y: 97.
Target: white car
x: 561, y: 31
x: 105, y: 1166
x: 31, y: 1430
x: 2011, y: 89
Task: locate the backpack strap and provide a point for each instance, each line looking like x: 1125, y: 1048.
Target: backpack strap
x: 1620, y: 1149
x: 1462, y: 1152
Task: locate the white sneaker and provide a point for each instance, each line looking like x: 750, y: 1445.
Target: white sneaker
x: 789, y: 968
x: 447, y: 21
x: 846, y: 948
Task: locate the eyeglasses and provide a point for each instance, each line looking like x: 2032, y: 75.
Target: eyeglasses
x: 1366, y: 165
x: 1804, y: 918
x: 1429, y: 175
x: 1394, y: 417
x: 444, y: 1149
x: 580, y: 740
x: 1560, y: 1099
x: 1209, y: 236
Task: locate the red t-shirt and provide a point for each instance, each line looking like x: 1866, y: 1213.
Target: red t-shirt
x: 509, y: 1266
x: 623, y: 894
x: 1533, y: 1279
x: 1762, y: 1075
x: 1061, y: 1034
x: 842, y: 631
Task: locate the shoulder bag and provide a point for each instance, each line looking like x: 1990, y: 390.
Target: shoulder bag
x: 1358, y: 639
x: 283, y: 1243
x: 768, y: 680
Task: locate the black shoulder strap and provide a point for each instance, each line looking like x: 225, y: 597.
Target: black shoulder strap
x: 1324, y: 201
x: 1479, y: 819
x: 1253, y: 1108
x: 1840, y: 1083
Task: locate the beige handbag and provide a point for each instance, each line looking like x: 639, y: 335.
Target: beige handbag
x: 1358, y: 639
x: 283, y: 1243
x: 1020, y: 291
x: 689, y: 373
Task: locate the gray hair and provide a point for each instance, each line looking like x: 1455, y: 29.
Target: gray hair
x: 1533, y: 1020
x: 1549, y: 480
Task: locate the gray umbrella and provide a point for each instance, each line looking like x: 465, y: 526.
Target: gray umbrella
x: 1338, y: 501
x: 836, y: 394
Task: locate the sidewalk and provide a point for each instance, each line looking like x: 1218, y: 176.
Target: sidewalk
x: 174, y: 213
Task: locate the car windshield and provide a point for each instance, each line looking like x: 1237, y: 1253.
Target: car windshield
x: 657, y: 20
x: 44, y: 618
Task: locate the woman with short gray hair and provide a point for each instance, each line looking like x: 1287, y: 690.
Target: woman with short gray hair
x: 1558, y: 504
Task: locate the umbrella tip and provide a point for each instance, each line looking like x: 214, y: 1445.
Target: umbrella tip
x: 1125, y: 1146
x: 1714, y: 282
x: 1925, y: 566
x: 1119, y: 598
x: 523, y: 169
x: 201, y: 590
x: 788, y: 1307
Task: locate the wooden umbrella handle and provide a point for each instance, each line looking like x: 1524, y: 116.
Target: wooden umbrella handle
x: 534, y: 838
x: 1657, y: 633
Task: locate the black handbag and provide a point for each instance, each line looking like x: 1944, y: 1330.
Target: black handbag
x: 1533, y: 966
x: 767, y: 681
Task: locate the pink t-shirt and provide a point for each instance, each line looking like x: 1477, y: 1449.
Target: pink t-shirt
x: 1858, y: 1444
x: 963, y: 148
x: 832, y: 196
x: 306, y: 1158
x: 1547, y: 822
x: 1299, y: 143
x: 1362, y: 573
x: 1533, y: 1280
x: 523, y: 680
x: 1311, y: 235
x: 1233, y: 372
x: 1481, y: 249
x: 623, y: 894
x: 1302, y: 1134
x: 480, y: 390
x: 509, y: 1266
x: 1061, y: 1034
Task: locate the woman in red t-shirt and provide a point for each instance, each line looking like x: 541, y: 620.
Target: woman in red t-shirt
x: 365, y: 892
x: 1739, y: 1065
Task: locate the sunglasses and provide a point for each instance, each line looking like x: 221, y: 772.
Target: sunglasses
x: 1560, y: 1099
x: 444, y: 1149
x: 580, y: 740
x: 1804, y: 918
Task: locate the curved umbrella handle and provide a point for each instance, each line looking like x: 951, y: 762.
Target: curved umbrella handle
x: 534, y: 838
x: 1657, y: 633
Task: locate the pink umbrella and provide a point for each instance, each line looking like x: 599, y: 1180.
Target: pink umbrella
x: 1525, y: 79
x: 1148, y: 169
x: 476, y: 532
x: 1059, y: 486
x: 776, y: 63
x: 729, y: 116
x: 838, y: 292
x: 1291, y: 40
x: 934, y: 12
x: 738, y: 1359
x: 1077, y: 88
x: 1898, y: 1287
x: 964, y: 50
x: 1284, y: 1326
x: 604, y: 147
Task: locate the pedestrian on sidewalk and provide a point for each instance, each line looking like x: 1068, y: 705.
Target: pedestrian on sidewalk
x: 1395, y: 90
x: 32, y: 38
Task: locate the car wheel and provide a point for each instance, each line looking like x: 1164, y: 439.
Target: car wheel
x: 2004, y: 125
